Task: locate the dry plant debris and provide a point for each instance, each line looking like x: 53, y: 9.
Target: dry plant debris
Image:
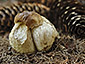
x: 65, y: 50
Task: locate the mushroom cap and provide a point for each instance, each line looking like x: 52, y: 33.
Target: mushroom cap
x: 31, y: 19
x: 27, y: 36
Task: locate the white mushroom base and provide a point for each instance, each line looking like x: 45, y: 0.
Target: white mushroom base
x: 24, y: 40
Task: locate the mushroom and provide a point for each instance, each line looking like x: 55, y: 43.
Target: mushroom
x: 32, y: 32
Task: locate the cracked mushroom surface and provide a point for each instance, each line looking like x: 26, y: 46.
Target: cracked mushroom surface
x: 32, y: 32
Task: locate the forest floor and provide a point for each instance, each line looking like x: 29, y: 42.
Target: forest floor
x: 66, y: 50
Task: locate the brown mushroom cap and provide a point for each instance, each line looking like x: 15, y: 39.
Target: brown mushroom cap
x: 30, y: 19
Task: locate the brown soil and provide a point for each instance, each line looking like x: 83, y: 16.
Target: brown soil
x: 64, y: 50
